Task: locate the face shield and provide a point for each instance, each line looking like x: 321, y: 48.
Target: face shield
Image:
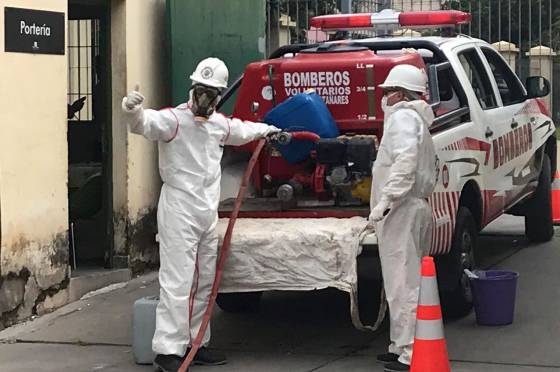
x: 204, y: 100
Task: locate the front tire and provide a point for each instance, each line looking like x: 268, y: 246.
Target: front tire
x: 241, y: 302
x: 454, y: 285
x: 539, y: 227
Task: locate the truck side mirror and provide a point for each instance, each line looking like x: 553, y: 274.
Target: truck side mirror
x: 537, y: 86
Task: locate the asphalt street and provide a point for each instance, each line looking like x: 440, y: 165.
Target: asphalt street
x: 308, y: 331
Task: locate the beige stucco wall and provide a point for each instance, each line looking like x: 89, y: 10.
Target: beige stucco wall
x: 33, y: 165
x: 138, y: 57
x: 146, y: 65
x: 34, y: 156
x: 119, y: 132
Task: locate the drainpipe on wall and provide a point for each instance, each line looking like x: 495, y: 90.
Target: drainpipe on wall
x: 346, y: 6
x: 383, y: 4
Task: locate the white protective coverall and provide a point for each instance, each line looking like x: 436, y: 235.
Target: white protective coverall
x: 404, y: 176
x: 189, y: 165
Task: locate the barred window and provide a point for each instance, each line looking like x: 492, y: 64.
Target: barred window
x: 83, y: 50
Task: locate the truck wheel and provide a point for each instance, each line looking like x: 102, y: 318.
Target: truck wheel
x: 239, y: 302
x: 538, y: 216
x: 454, y: 285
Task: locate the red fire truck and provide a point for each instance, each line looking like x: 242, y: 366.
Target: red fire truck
x: 494, y: 137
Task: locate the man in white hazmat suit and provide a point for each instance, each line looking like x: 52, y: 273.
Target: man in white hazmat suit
x: 190, y: 138
x: 403, y: 177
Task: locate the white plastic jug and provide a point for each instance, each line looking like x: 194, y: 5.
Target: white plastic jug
x: 143, y: 329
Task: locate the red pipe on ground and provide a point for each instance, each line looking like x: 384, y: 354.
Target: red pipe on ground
x: 223, y: 255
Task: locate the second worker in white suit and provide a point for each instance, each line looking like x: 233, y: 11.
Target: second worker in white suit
x: 191, y: 139
x: 403, y: 177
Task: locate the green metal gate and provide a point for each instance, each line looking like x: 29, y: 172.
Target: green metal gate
x: 233, y: 31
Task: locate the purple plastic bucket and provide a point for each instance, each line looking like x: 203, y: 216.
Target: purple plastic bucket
x: 494, y: 296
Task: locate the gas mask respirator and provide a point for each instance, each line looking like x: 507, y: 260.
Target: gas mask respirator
x: 204, y: 100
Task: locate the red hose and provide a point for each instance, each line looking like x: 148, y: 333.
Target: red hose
x: 302, y: 136
x: 223, y: 255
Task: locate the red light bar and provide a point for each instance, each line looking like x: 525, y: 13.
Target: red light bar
x: 389, y: 19
x: 434, y: 18
x: 342, y: 21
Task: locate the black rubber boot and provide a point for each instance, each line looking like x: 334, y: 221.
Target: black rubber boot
x: 387, y: 358
x: 205, y: 357
x: 168, y: 363
x: 397, y: 367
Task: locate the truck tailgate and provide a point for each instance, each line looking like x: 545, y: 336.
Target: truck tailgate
x: 292, y: 254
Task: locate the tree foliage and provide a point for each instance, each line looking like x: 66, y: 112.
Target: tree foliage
x: 300, y: 12
x: 526, y: 23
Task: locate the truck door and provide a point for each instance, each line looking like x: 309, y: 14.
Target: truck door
x: 517, y: 141
x: 493, y: 128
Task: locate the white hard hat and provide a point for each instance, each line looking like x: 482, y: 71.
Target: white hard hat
x: 212, y: 72
x: 406, y: 77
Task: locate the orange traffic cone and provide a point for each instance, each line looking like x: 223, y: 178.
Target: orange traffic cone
x: 556, y: 199
x: 429, y: 353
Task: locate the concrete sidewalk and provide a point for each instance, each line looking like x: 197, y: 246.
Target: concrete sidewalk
x: 307, y: 331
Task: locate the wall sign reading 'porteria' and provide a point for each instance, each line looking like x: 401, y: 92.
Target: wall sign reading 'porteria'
x: 33, y: 31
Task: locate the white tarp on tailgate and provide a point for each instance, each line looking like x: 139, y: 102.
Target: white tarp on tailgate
x: 293, y: 254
